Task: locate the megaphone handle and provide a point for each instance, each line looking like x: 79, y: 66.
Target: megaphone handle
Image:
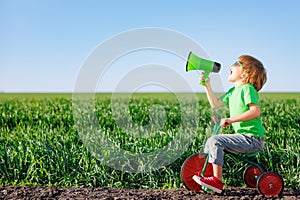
x: 202, y: 83
x: 205, y: 77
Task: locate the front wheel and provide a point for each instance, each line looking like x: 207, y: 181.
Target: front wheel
x: 193, y: 165
x: 270, y: 184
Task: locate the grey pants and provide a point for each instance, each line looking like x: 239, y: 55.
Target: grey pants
x: 232, y: 143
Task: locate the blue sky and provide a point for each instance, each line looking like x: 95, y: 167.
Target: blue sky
x: 43, y: 43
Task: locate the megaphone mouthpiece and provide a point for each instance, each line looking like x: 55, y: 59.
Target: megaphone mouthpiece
x: 217, y: 67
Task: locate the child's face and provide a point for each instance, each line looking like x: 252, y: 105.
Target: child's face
x: 236, y: 72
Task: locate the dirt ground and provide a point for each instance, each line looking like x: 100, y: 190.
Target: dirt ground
x: 11, y: 192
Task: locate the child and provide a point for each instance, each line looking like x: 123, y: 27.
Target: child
x: 248, y: 76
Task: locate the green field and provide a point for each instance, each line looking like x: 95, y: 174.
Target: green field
x: 266, y: 95
x: 41, y: 142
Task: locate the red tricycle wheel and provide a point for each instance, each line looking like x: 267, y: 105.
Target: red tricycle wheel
x: 193, y: 165
x: 270, y: 184
x: 251, y: 175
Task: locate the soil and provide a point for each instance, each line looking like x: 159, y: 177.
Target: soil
x: 27, y: 192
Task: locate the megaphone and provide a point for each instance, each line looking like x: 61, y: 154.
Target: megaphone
x: 207, y: 66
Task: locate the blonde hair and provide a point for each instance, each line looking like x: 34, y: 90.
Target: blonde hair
x: 254, y: 70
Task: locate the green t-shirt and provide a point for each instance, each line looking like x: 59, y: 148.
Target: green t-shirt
x: 238, y: 100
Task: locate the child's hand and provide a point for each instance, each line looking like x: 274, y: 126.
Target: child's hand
x: 225, y: 122
x: 201, y: 78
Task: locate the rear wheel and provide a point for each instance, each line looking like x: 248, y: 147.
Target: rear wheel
x: 251, y: 175
x: 193, y: 165
x: 270, y: 184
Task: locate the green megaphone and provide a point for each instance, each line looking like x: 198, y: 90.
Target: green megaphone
x: 196, y: 63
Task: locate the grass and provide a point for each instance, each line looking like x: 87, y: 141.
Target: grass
x: 263, y: 95
x: 41, y: 143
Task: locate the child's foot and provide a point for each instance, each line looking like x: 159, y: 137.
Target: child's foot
x: 197, y: 179
x: 212, y: 183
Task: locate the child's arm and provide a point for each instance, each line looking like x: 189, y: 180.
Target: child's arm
x: 214, y: 101
x: 252, y: 113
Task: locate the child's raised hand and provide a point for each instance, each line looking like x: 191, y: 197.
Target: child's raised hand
x: 201, y: 78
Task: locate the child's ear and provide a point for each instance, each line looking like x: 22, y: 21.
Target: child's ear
x: 244, y: 75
